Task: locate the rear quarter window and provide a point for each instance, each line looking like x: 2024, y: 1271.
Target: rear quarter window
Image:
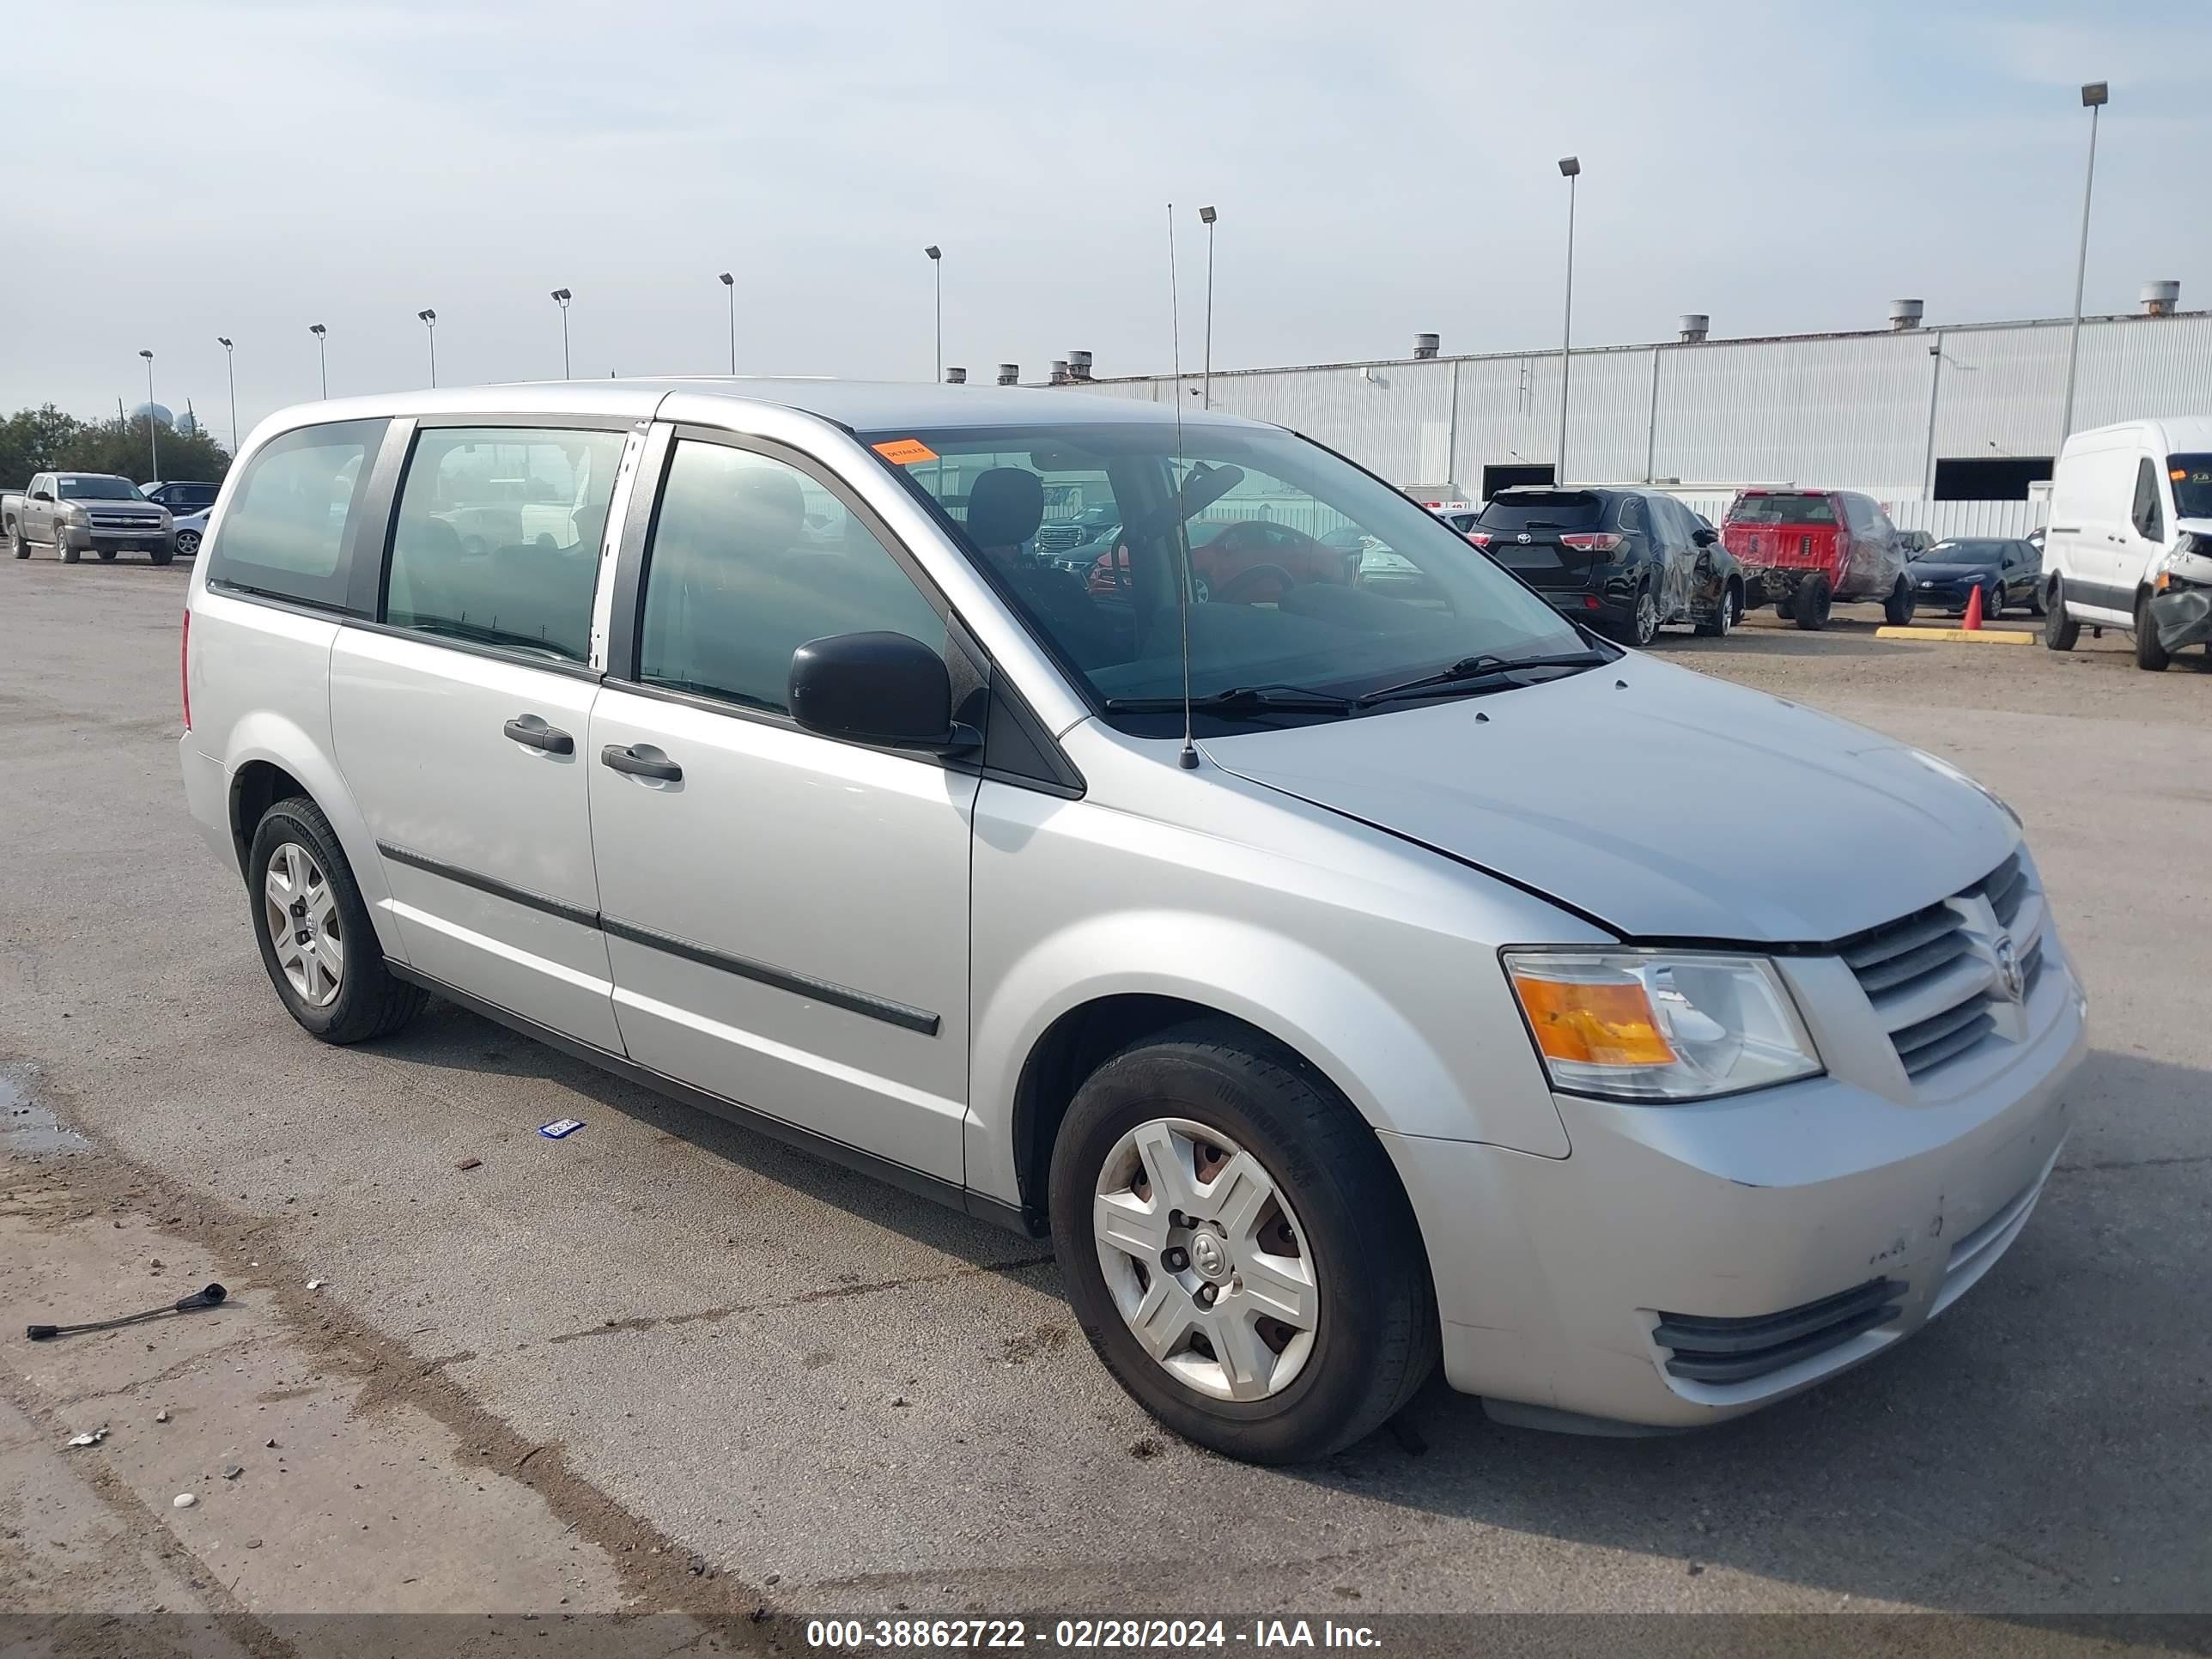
x: 288, y: 528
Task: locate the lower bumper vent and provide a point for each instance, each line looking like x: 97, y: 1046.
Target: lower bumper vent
x: 1737, y: 1350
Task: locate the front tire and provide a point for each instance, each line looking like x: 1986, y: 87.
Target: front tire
x: 106, y: 555
x: 1897, y: 610
x: 1724, y: 620
x: 1810, y: 609
x: 1237, y: 1249
x: 63, y: 551
x: 17, y: 544
x: 317, y: 942
x: 163, y: 554
x: 2060, y: 631
x: 2149, y: 653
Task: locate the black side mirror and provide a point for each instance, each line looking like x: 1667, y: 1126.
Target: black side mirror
x: 42, y: 494
x: 1704, y: 537
x: 888, y: 689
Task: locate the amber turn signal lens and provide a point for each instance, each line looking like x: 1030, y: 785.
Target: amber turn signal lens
x: 1595, y: 1024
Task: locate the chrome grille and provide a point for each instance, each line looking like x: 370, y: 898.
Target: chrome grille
x: 1932, y: 977
x: 125, y: 521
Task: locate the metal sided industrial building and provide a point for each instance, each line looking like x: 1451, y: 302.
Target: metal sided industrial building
x: 1928, y: 420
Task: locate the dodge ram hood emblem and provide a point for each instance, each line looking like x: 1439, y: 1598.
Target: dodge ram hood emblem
x: 2009, y: 969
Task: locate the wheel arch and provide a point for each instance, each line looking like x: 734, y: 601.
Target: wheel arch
x: 271, y: 759
x: 1084, y: 1036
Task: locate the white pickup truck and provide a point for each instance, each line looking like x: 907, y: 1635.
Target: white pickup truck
x: 72, y: 512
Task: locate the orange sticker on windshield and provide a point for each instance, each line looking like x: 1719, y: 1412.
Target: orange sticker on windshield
x: 905, y: 451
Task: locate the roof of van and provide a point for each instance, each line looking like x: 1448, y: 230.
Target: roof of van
x: 2179, y: 433
x: 862, y: 405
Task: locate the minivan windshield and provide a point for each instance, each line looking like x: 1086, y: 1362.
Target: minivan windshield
x: 72, y: 487
x: 1783, y: 509
x: 1311, y: 583
x: 2191, y: 478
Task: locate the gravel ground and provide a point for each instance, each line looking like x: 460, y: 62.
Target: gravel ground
x: 791, y: 1370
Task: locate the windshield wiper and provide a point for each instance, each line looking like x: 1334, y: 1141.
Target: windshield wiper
x: 1470, y: 672
x: 1240, y: 700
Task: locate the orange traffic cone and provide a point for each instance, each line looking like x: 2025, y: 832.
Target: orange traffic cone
x: 1973, y: 622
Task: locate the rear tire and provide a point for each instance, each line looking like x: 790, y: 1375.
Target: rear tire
x: 2149, y: 653
x: 367, y: 1000
x: 1897, y: 610
x: 1371, y: 1338
x: 2060, y: 631
x: 1813, y: 601
x: 1643, y: 621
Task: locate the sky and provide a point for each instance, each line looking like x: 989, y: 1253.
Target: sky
x: 248, y: 167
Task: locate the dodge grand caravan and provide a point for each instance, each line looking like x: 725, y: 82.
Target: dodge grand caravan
x: 734, y: 737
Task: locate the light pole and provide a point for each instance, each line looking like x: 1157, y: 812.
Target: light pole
x: 561, y: 298
x: 430, y: 323
x: 230, y: 373
x: 2095, y: 96
x: 322, y: 355
x: 1206, y: 216
x: 1570, y: 169
x: 731, y: 283
x: 937, y: 271
x: 153, y: 434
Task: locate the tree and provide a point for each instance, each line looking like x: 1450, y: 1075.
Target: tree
x: 30, y: 440
x: 45, y: 439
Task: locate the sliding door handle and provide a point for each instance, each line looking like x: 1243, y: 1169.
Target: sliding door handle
x: 532, y: 730
x: 642, y: 760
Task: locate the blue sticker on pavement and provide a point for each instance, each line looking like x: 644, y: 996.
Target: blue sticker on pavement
x: 560, y: 1127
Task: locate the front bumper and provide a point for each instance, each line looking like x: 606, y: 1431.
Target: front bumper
x: 1555, y: 1276
x: 1950, y: 595
x: 2183, y: 616
x: 88, y: 540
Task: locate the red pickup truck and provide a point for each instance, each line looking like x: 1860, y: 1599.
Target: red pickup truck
x: 1803, y: 550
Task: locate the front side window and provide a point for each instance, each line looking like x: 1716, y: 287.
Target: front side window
x: 284, y: 533
x: 751, y: 558
x: 496, y: 540
x: 2149, y: 511
x: 1304, y: 572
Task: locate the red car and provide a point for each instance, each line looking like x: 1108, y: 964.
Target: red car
x: 1249, y: 562
x: 1805, y: 550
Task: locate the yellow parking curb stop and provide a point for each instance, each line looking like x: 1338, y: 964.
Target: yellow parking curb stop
x: 1965, y: 636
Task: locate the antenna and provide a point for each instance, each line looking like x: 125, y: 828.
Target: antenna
x: 1188, y: 758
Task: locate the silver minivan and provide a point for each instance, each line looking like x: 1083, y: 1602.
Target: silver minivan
x: 1349, y: 962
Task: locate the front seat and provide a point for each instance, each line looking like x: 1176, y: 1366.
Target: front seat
x: 1006, y: 504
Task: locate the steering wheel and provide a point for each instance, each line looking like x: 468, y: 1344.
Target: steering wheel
x: 1234, y: 590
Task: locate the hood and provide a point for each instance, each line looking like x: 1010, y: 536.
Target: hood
x: 1924, y: 570
x: 1680, y: 807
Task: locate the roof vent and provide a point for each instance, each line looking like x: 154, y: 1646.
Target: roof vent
x: 956, y: 377
x: 1009, y: 373
x: 1426, y: 345
x: 1078, y: 365
x: 2160, y: 298
x: 1904, y: 313
x: 1695, y: 326
x: 1060, y: 375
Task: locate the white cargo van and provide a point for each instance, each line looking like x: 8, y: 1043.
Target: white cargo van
x: 2131, y: 528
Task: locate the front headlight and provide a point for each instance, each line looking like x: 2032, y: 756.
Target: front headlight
x: 1659, y: 1025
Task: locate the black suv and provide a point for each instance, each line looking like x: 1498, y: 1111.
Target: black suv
x: 1625, y: 560
x: 182, y: 497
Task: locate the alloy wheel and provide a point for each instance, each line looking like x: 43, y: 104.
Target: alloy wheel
x: 188, y: 542
x: 1206, y: 1260
x: 1647, y: 616
x: 301, y: 914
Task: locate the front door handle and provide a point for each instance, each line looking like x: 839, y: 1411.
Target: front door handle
x: 642, y: 760
x: 532, y: 730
